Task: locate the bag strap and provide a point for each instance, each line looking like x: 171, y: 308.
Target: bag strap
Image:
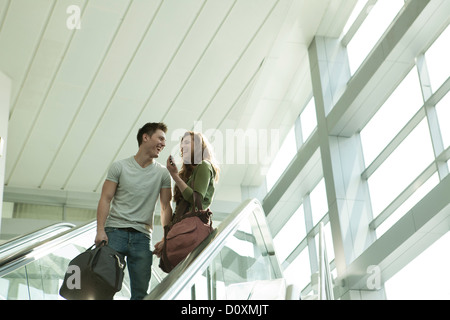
x: 181, y: 211
x: 120, y: 267
x: 182, y: 207
x: 197, y: 203
x: 100, y: 245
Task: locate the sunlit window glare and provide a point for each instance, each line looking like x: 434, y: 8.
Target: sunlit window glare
x: 411, y: 157
x: 403, y: 175
x: 356, y: 11
x: 299, y: 272
x: 291, y: 234
x: 288, y: 149
x: 443, y: 112
x: 378, y: 20
x: 308, y: 119
x: 398, y: 109
x: 319, y: 204
x: 424, y: 278
x: 408, y: 204
x: 284, y: 156
x: 438, y: 61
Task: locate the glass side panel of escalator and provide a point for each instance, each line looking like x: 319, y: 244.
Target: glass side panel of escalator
x: 31, y: 238
x: 240, y: 264
x: 42, y: 278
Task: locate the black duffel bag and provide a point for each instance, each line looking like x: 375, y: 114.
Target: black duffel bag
x: 95, y: 274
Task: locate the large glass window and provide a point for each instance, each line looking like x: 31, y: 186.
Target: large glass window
x: 411, y: 157
x: 284, y: 156
x: 421, y: 192
x: 319, y: 204
x: 368, y: 34
x: 328, y: 242
x: 290, y: 235
x: 299, y: 271
x: 356, y: 11
x: 426, y: 277
x: 308, y: 119
x: 443, y: 112
x: 398, y: 109
x: 438, y: 61
x: 401, y: 124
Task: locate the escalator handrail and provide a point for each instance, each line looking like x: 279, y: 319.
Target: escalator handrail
x: 176, y: 280
x: 41, y: 248
x: 23, y: 239
x: 29, y: 254
x: 183, y: 273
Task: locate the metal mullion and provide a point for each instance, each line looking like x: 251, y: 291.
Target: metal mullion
x: 392, y: 146
x: 432, y: 118
x: 358, y: 22
x: 403, y: 196
x: 444, y: 156
x: 314, y: 263
x: 303, y: 244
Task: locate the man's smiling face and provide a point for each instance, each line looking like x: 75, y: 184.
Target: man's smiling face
x: 155, y: 144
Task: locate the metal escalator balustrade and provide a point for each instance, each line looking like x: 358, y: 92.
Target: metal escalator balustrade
x: 33, y: 237
x: 33, y: 251
x: 36, y: 271
x: 12, y: 246
x: 232, y: 263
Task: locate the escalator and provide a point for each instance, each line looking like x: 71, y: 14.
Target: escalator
x: 33, y: 271
x: 14, y: 244
x: 234, y: 262
x: 36, y: 271
x: 237, y: 261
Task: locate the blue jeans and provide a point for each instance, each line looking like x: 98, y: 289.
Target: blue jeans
x: 136, y: 247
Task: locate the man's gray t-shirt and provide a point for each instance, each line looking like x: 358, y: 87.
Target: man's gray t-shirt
x: 137, y: 191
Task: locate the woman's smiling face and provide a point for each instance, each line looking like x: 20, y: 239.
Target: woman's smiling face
x: 185, y: 147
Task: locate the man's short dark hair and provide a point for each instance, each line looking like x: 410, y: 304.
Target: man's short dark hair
x: 150, y: 128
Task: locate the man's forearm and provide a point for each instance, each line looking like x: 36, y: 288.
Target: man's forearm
x: 102, y: 214
x: 166, y: 215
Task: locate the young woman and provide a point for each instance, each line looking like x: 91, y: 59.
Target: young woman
x: 200, y: 165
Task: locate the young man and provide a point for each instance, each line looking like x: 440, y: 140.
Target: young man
x: 127, y: 204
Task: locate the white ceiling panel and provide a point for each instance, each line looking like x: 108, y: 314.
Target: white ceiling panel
x: 21, y: 33
x: 42, y: 142
x: 91, y: 43
x: 199, y: 38
x: 80, y: 95
x: 224, y: 53
x: 65, y: 90
x: 103, y: 144
x: 100, y: 92
x: 159, y: 48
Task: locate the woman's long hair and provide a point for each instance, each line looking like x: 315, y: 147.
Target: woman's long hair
x: 197, y: 156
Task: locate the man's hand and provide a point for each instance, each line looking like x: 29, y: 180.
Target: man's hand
x: 101, y: 236
x: 158, y: 248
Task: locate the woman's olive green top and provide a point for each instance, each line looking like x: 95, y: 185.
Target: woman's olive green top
x: 203, y: 176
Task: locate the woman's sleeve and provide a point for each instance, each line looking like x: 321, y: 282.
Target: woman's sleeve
x: 201, y: 182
